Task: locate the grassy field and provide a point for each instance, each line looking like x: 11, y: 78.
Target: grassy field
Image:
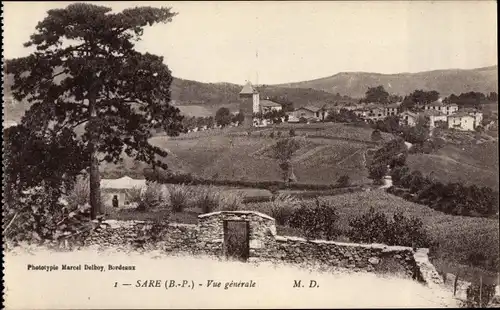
x: 471, y: 164
x: 319, y: 161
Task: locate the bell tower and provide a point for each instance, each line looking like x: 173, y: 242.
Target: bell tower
x: 249, y: 103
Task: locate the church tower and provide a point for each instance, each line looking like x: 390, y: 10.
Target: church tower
x: 249, y: 103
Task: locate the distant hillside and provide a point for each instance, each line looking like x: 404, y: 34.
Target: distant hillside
x: 316, y: 92
x: 203, y: 99
x: 446, y: 82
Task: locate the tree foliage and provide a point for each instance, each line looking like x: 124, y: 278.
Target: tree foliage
x: 85, y: 70
x: 223, y: 117
x: 283, y: 152
x: 377, y: 94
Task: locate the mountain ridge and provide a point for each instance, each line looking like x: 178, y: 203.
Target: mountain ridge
x: 445, y: 81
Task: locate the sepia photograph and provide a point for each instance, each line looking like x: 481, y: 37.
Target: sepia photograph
x: 250, y: 154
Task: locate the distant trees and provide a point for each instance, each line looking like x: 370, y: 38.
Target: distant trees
x: 418, y: 98
x: 493, y: 96
x: 452, y: 198
x: 472, y: 99
x: 377, y: 95
x: 223, y: 117
x: 283, y: 152
x: 343, y: 116
x: 238, y: 118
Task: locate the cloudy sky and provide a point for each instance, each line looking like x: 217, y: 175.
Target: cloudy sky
x: 278, y: 42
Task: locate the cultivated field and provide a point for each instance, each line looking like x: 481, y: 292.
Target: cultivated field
x: 470, y: 164
x: 319, y: 161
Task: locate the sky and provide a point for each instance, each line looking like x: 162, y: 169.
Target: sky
x: 281, y: 42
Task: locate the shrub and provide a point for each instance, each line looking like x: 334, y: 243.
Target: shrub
x: 80, y: 193
x: 376, y: 135
x: 278, y: 134
x: 316, y: 222
x: 281, y: 208
x: 179, y: 197
x: 153, y: 197
x: 37, y: 218
x: 133, y: 195
x: 230, y: 200
x: 207, y: 199
x: 271, y: 135
x: 344, y: 181
x: 377, y: 172
x: 376, y: 227
x: 292, y: 132
x: 479, y: 296
x: 369, y: 227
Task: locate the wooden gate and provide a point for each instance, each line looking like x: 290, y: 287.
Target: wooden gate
x: 236, y: 239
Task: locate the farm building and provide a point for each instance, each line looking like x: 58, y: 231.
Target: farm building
x: 392, y: 109
x: 118, y: 188
x: 408, y: 118
x: 435, y: 116
x: 438, y: 105
x: 461, y: 121
x: 267, y: 105
x: 478, y: 115
x: 309, y: 113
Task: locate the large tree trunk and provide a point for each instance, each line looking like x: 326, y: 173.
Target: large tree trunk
x: 95, y: 190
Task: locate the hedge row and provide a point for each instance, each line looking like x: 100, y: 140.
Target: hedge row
x: 188, y: 179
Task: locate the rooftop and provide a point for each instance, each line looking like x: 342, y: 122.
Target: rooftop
x: 461, y: 114
x: 433, y: 113
x: 123, y: 183
x: 248, y: 89
x: 269, y: 103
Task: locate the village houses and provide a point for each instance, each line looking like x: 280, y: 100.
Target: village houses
x: 461, y: 121
x: 447, y: 109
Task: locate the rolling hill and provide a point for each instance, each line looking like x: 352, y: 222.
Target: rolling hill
x: 446, y: 82
x: 353, y: 84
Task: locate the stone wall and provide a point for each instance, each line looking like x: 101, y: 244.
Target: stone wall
x: 207, y: 237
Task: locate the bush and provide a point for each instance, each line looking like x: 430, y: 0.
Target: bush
x: 479, y: 296
x: 316, y: 222
x: 292, y: 132
x: 207, y: 199
x: 80, y: 194
x: 344, y: 181
x: 37, y: 218
x: 271, y: 135
x: 230, y: 201
x: 377, y: 172
x: 179, y: 197
x: 369, y: 227
x: 375, y: 227
x: 153, y: 197
x: 281, y: 208
x: 376, y: 135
